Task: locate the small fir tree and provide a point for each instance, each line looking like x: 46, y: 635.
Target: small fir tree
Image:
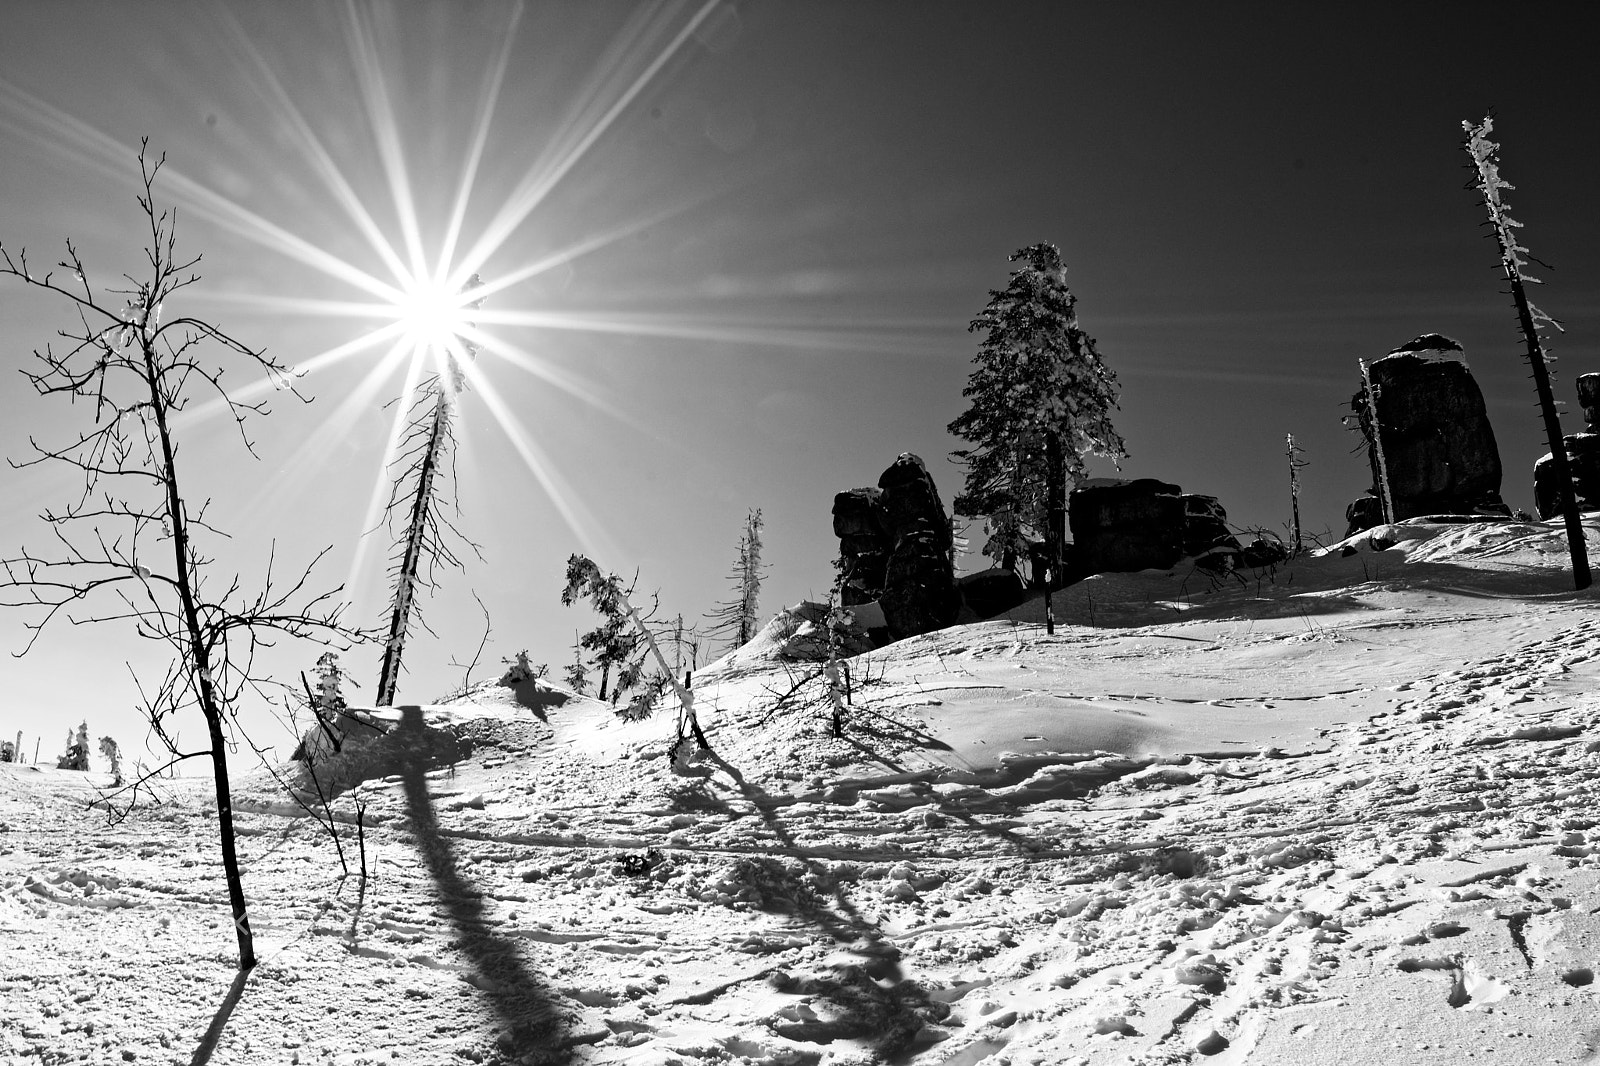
x: 113, y: 753
x: 738, y: 619
x: 1041, y: 401
x: 577, y: 675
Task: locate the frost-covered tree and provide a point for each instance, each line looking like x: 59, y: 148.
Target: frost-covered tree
x: 611, y: 601
x: 113, y: 753
x: 424, y: 459
x: 577, y: 673
x: 1491, y: 186
x: 737, y: 619
x: 1041, y: 401
x: 613, y: 645
x: 76, y: 755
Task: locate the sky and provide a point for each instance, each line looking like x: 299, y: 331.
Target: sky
x: 734, y: 250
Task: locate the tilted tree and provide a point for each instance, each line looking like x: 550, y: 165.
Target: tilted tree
x: 424, y: 464
x: 611, y: 601
x: 1491, y: 186
x: 1041, y: 401
x: 133, y: 368
x: 738, y: 619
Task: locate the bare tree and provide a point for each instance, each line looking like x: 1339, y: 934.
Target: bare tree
x: 1486, y: 161
x: 134, y: 372
x: 737, y: 619
x: 426, y: 455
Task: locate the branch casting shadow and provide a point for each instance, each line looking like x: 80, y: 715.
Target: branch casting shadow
x: 524, y: 1003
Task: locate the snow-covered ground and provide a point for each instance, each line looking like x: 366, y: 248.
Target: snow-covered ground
x: 1345, y: 813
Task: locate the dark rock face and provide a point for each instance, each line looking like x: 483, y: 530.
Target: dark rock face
x: 992, y: 592
x: 1589, y: 400
x: 1205, y: 526
x: 1583, y: 458
x: 1583, y: 463
x: 1122, y: 526
x: 862, y: 526
x: 1426, y: 414
x: 919, y: 589
x: 1364, y: 512
x: 895, y: 544
x: 1261, y: 553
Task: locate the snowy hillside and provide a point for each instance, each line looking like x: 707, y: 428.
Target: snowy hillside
x: 1343, y: 813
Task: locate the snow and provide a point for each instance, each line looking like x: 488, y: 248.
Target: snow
x: 1343, y: 812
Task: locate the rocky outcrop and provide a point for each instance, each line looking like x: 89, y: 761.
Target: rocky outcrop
x: 1428, y: 435
x: 1121, y: 526
x: 991, y: 592
x: 894, y: 541
x: 1205, y: 527
x: 1583, y: 458
x: 919, y: 589
x: 862, y: 526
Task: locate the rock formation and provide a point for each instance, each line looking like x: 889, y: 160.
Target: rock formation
x: 862, y: 527
x: 1121, y: 526
x: 1428, y: 435
x: 1583, y: 458
x: 894, y: 543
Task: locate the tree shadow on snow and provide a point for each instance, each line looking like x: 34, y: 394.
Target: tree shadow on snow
x: 868, y: 998
x: 521, y: 999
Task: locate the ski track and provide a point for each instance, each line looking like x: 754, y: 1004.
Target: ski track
x: 856, y: 901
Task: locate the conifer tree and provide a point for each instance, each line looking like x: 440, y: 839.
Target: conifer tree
x: 1041, y: 400
x: 738, y: 619
x: 577, y: 675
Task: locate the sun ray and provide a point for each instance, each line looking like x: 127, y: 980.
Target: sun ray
x: 582, y: 248
x: 267, y: 84
x: 386, y: 132
x: 565, y: 380
x: 883, y: 336
x: 306, y: 305
x: 591, y: 535
x: 372, y: 517
x: 569, y: 146
x: 80, y: 143
x: 311, y: 456
x: 489, y: 97
x: 251, y: 390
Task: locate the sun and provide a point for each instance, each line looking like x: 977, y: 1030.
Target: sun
x: 433, y: 315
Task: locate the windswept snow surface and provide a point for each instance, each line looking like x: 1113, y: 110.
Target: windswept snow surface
x: 1343, y: 813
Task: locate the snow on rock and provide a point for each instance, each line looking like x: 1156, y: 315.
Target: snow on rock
x: 1345, y: 814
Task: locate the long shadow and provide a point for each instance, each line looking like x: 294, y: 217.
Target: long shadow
x: 219, y: 1021
x: 874, y: 1000
x: 526, y: 1008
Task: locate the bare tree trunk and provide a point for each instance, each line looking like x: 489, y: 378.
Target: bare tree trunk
x: 1559, y: 466
x: 406, y: 584
x: 201, y: 654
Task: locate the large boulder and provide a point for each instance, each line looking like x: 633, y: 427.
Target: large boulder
x: 894, y: 543
x: 919, y: 588
x: 991, y: 592
x: 1121, y: 526
x: 1428, y: 434
x: 1205, y: 527
x: 1583, y: 463
x: 1589, y: 400
x: 862, y: 526
x: 1583, y: 458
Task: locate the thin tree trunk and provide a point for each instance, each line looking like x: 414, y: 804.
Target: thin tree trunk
x: 1560, y: 468
x: 406, y: 585
x: 210, y: 706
